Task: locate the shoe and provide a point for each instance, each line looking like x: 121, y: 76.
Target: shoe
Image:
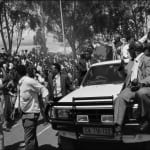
x: 22, y: 144
x: 5, y: 127
x: 144, y: 126
x: 45, y: 123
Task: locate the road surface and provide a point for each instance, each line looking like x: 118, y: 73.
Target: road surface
x: 47, y: 140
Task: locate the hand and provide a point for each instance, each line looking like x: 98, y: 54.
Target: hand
x: 134, y: 82
x: 50, y: 103
x: 10, y: 84
x: 46, y: 99
x: 136, y: 86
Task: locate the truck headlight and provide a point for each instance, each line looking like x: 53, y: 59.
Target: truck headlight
x: 52, y: 113
x: 135, y: 112
x: 107, y: 118
x: 82, y: 118
x: 63, y: 113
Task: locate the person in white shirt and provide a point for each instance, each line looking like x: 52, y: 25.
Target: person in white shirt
x: 28, y: 100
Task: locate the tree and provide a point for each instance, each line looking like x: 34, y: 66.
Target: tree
x: 15, y: 17
x: 40, y: 37
x: 125, y: 17
x: 106, y: 17
x: 77, y: 19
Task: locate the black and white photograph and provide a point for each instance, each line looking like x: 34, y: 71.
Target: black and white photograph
x: 74, y: 74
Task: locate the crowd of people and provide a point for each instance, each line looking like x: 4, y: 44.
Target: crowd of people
x: 32, y: 80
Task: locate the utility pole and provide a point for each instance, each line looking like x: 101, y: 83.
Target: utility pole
x: 62, y: 26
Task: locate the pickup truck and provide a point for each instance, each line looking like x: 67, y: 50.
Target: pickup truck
x: 87, y: 113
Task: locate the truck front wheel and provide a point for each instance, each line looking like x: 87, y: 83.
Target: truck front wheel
x: 66, y: 143
x: 146, y: 146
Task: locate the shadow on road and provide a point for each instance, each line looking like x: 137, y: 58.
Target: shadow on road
x: 42, y: 121
x: 87, y: 147
x: 109, y: 146
x: 47, y: 147
x: 14, y: 146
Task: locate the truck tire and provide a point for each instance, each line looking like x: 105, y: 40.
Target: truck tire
x: 48, y: 112
x: 66, y: 143
x: 146, y: 146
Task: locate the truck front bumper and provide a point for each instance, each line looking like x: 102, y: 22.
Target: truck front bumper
x: 137, y: 138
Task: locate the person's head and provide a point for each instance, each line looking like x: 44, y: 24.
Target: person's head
x: 21, y: 70
x: 148, y: 37
x: 147, y: 48
x: 135, y: 48
x: 146, y: 45
x: 138, y: 47
x: 124, y: 40
x: 82, y: 56
x: 11, y: 66
x: 31, y: 71
x: 117, y: 38
x: 56, y: 68
x: 87, y: 55
x: 131, y: 49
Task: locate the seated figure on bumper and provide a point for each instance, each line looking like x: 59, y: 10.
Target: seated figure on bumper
x: 143, y: 94
x: 138, y: 72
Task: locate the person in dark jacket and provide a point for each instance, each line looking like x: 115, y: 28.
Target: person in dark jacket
x: 81, y: 67
x: 138, y: 72
x: 143, y: 94
x: 59, y: 83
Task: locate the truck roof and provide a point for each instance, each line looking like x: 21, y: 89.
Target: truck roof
x: 109, y: 62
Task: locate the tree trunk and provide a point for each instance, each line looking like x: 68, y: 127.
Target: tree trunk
x: 8, y: 30
x: 2, y: 35
x: 42, y: 20
x: 72, y: 44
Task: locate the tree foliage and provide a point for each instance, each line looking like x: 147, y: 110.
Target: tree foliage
x: 77, y: 18
x: 40, y: 37
x: 126, y: 17
x: 15, y: 17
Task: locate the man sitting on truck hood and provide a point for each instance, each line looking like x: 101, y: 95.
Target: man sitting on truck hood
x: 137, y: 73
x: 143, y: 95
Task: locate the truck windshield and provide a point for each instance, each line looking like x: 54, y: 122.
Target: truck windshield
x: 105, y: 74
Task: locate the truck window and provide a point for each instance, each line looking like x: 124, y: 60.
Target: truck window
x: 105, y: 74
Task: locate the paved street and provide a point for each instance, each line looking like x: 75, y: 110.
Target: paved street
x: 48, y: 140
x: 46, y: 137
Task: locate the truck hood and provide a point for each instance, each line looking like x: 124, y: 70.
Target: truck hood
x: 94, y: 91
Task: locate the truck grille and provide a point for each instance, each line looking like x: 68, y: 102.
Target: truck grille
x: 94, y: 118
x: 95, y: 115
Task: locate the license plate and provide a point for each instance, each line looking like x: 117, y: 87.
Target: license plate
x: 98, y: 131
